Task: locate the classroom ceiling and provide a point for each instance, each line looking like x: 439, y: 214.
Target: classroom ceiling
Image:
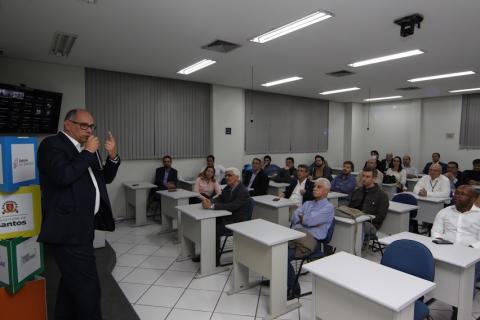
x: 160, y: 37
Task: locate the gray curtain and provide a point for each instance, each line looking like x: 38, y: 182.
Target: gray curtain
x: 470, y: 122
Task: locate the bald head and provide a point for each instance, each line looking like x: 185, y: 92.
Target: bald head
x: 79, y: 124
x: 435, y: 170
x: 465, y: 196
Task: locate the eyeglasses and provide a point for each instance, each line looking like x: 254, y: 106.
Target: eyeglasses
x: 85, y: 126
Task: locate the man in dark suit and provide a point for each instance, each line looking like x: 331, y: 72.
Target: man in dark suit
x: 75, y: 203
x: 234, y: 198
x: 287, y: 174
x: 256, y: 179
x: 166, y: 177
x: 300, y: 190
x: 435, y: 159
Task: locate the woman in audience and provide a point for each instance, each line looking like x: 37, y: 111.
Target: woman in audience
x: 206, y: 185
x: 398, y: 172
x: 320, y: 169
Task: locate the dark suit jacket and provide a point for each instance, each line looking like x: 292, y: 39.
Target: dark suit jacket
x: 68, y: 192
x: 427, y: 167
x: 160, y: 174
x: 236, y: 201
x: 259, y: 185
x: 286, y: 176
x: 308, y: 196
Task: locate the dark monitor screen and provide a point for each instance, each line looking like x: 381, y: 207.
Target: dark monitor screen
x: 25, y: 110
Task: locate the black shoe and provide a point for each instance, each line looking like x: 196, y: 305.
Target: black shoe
x: 196, y: 258
x: 294, y: 293
x: 265, y: 283
x: 454, y: 313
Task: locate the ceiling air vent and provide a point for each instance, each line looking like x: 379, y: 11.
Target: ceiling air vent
x: 408, y: 88
x: 221, y: 46
x: 340, y: 73
x: 62, y: 44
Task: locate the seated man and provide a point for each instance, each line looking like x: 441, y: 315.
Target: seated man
x: 454, y: 175
x: 268, y: 167
x: 320, y: 169
x: 460, y: 223
x: 256, y: 179
x: 345, y: 182
x: 472, y: 177
x: 234, y: 198
x: 372, y: 164
x: 288, y: 174
x: 434, y: 184
x: 411, y: 171
x: 219, y: 169
x: 386, y: 163
x: 166, y: 177
x: 372, y: 200
x: 313, y: 218
x: 435, y: 159
x: 301, y: 189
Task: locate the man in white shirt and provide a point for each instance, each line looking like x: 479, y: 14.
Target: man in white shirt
x: 300, y: 190
x: 434, y: 184
x: 460, y: 223
x: 411, y: 171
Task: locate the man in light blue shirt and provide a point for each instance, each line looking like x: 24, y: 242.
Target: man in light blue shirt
x: 314, y: 218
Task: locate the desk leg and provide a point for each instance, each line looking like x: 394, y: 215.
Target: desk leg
x: 278, y: 283
x: 168, y: 206
x: 465, y: 294
x: 358, y: 238
x: 141, y: 207
x: 207, y: 249
x: 188, y: 249
x: 284, y: 216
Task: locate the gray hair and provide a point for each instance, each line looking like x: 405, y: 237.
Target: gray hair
x: 73, y: 113
x: 234, y: 170
x: 324, y: 182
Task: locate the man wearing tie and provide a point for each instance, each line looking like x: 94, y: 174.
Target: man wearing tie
x: 75, y: 203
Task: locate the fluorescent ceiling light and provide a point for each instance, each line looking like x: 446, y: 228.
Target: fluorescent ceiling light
x: 464, y: 90
x: 62, y: 44
x: 386, y: 58
x: 274, y: 83
x: 197, y: 66
x: 293, y: 26
x: 383, y: 98
x: 442, y: 76
x: 339, y: 91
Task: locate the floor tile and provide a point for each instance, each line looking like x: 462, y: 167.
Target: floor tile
x: 157, y: 262
x: 200, y: 300
x: 151, y: 313
x: 186, y: 265
x: 161, y: 296
x: 181, y: 314
x: 119, y: 272
x: 168, y: 251
x: 122, y: 247
x: 133, y: 291
x: 180, y: 279
x: 229, y: 286
x: 130, y: 260
x: 215, y: 282
x: 143, y: 276
x: 143, y: 249
x: 224, y: 316
x: 240, y: 304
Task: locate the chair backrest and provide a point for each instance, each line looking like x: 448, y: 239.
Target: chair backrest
x: 411, y: 257
x: 406, y: 198
x: 329, y: 236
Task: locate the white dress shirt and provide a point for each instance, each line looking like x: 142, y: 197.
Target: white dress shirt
x: 400, y: 176
x: 462, y: 228
x: 97, y: 191
x: 411, y: 171
x: 296, y: 196
x: 439, y: 187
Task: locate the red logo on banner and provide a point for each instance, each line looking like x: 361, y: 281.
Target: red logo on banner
x: 9, y: 207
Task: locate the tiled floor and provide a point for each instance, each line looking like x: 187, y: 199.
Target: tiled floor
x: 159, y: 288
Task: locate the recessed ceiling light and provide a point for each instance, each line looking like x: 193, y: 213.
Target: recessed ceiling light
x: 62, y: 43
x: 339, y: 91
x: 464, y: 90
x: 197, y: 66
x: 442, y: 76
x: 301, y: 23
x: 383, y: 98
x: 387, y: 58
x: 274, y: 83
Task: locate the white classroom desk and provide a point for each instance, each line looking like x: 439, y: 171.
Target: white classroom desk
x: 274, y: 188
x: 262, y: 246
x: 398, y: 218
x: 348, y: 234
x: 454, y: 271
x: 186, y: 183
x: 273, y: 211
x: 136, y: 195
x: 371, y: 292
x: 334, y: 196
x: 428, y: 207
x: 198, y: 227
x: 171, y: 200
x: 390, y: 189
